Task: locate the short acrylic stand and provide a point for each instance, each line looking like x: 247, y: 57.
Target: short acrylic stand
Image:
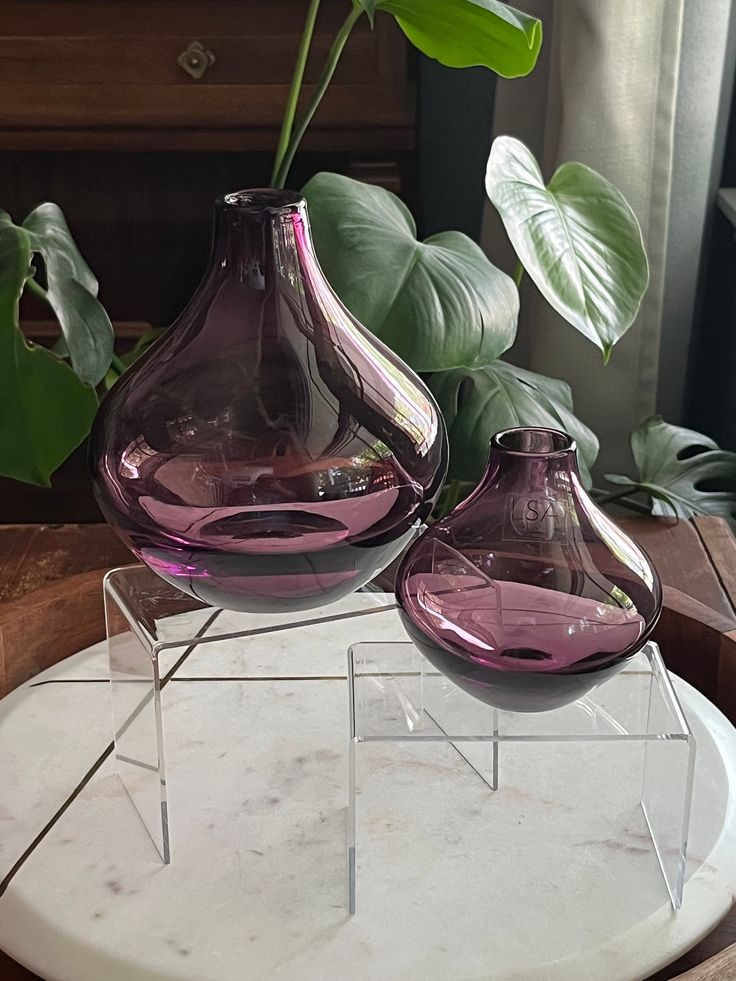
x: 623, y: 747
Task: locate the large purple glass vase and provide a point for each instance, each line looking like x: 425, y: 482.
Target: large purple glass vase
x: 528, y: 595
x: 268, y: 453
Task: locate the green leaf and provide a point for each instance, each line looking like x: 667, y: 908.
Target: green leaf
x: 684, y: 472
x: 369, y: 6
x: 461, y: 33
x: 59, y: 348
x: 477, y: 404
x: 578, y: 239
x: 46, y: 410
x: 438, y: 304
x: 72, y: 293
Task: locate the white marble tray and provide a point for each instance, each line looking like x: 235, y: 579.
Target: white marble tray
x: 448, y: 890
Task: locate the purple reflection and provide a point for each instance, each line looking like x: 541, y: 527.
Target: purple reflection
x: 528, y: 595
x: 269, y: 452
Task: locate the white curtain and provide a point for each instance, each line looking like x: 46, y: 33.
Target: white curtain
x: 633, y: 88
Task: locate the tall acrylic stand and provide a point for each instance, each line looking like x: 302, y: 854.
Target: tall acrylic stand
x: 156, y: 633
x: 151, y: 629
x: 625, y: 747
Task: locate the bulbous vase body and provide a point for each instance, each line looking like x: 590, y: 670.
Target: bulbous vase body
x: 268, y: 453
x: 528, y: 595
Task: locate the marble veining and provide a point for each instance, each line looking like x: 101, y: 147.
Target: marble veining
x: 546, y: 879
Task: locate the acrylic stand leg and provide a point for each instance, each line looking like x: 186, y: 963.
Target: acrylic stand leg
x: 396, y: 697
x: 669, y: 763
x: 135, y: 685
x: 475, y: 755
x: 151, y: 629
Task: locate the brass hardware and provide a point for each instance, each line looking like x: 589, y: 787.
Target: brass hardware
x: 196, y: 59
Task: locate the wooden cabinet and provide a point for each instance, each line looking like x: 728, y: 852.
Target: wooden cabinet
x: 134, y: 115
x: 192, y: 75
x: 101, y: 110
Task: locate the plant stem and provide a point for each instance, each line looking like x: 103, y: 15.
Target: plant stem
x: 117, y: 365
x: 453, y: 493
x: 324, y: 80
x: 632, y: 505
x: 33, y: 287
x: 518, y: 274
x: 295, y: 88
x: 606, y: 497
x: 620, y: 497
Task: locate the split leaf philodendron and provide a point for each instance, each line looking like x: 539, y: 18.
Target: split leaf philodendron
x: 457, y: 33
x: 576, y: 237
x: 682, y: 471
x: 461, y: 33
x: 439, y: 303
x: 47, y: 408
x: 50, y: 391
x: 72, y: 293
x: 580, y: 242
x: 502, y: 396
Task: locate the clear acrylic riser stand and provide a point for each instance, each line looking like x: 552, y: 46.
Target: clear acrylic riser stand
x: 627, y: 741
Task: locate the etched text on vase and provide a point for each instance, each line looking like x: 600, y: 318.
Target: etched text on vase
x: 528, y: 594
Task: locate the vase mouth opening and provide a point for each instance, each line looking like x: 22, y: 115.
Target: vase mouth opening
x: 527, y: 441
x: 261, y: 199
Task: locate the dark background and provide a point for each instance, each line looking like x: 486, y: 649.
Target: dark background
x: 711, y: 406
x: 139, y: 198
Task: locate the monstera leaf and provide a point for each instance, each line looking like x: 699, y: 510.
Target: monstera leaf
x: 577, y: 238
x: 46, y: 409
x: 461, y: 33
x: 477, y: 404
x: 438, y: 304
x: 72, y: 293
x: 684, y: 472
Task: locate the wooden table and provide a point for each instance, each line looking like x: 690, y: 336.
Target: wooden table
x: 51, y: 578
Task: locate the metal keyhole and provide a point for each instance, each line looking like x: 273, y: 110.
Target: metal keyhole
x: 196, y: 59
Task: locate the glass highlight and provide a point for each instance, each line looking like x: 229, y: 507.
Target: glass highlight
x: 528, y: 595
x: 268, y: 453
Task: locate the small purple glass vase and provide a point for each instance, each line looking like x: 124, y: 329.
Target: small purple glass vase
x: 528, y: 595
x: 268, y: 453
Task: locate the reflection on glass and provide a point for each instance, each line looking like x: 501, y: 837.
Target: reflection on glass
x: 528, y: 595
x: 268, y: 452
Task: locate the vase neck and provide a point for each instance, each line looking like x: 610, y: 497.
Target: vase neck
x: 532, y: 458
x: 258, y: 232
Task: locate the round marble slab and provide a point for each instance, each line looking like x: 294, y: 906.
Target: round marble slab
x: 450, y: 886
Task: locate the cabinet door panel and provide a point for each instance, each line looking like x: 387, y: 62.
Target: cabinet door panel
x: 112, y: 67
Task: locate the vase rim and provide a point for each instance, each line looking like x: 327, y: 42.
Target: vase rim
x: 534, y: 441
x: 259, y: 199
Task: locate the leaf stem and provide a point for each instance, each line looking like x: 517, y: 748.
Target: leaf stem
x: 632, y: 505
x: 37, y: 290
x: 295, y: 88
x: 325, y: 78
x: 450, y: 496
x: 606, y: 497
x: 620, y: 497
x: 116, y: 364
